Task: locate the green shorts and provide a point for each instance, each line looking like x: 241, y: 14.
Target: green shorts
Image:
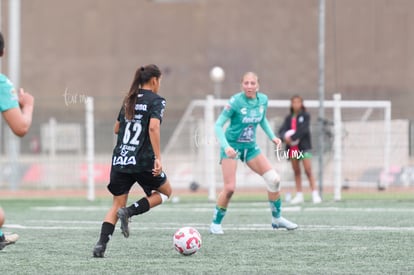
x: 301, y: 155
x: 243, y: 154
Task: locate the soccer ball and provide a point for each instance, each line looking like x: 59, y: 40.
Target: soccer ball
x: 290, y: 133
x: 187, y: 240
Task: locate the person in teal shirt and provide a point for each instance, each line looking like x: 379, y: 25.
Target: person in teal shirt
x: 17, y: 111
x: 245, y: 111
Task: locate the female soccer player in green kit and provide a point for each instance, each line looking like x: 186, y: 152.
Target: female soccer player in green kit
x: 246, y: 110
x: 17, y: 111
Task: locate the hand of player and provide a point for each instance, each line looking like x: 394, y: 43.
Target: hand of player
x: 278, y: 142
x: 25, y: 99
x: 230, y: 152
x: 157, y: 167
x: 288, y: 140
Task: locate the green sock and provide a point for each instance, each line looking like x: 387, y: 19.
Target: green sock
x: 275, y: 208
x: 1, y: 233
x: 219, y: 213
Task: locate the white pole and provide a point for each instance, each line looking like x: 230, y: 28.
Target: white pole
x: 53, y: 138
x: 14, y: 75
x: 90, y: 147
x: 321, y: 89
x: 337, y: 147
x: 52, y: 173
x: 209, y: 151
x: 387, y: 145
x: 13, y: 51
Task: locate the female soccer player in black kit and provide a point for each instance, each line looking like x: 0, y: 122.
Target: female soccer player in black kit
x: 137, y: 155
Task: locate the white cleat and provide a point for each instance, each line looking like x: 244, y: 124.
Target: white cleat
x: 216, y: 229
x: 298, y: 199
x: 11, y: 238
x: 7, y: 240
x: 316, y: 198
x: 283, y: 223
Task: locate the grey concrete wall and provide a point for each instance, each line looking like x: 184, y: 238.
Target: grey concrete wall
x: 92, y: 47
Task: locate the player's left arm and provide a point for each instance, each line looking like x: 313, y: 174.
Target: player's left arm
x: 269, y: 132
x: 155, y: 134
x: 19, y: 118
x: 267, y: 129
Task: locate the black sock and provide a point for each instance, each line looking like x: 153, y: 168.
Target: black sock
x: 139, y: 207
x: 107, y: 230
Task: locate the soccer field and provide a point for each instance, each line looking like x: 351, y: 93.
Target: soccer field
x: 350, y: 237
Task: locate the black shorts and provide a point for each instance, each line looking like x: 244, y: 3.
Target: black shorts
x: 120, y: 183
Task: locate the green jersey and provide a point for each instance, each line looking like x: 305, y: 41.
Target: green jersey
x: 244, y: 114
x: 8, y: 95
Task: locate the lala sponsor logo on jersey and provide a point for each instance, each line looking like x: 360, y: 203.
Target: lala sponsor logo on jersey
x: 120, y: 160
x: 123, y: 159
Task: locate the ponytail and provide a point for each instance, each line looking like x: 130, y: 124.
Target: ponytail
x: 142, y: 76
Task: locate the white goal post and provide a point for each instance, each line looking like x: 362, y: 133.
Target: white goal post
x: 209, y: 146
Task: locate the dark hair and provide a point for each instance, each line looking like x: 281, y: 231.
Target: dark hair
x: 303, y: 108
x: 142, y: 76
x: 1, y: 44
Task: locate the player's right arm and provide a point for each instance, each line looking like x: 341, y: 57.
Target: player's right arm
x: 118, y: 120
x: 20, y: 119
x: 224, y: 116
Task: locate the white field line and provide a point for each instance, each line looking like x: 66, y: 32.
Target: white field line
x: 161, y: 208
x: 74, y: 225
x: 339, y: 209
x: 166, y: 208
x: 93, y: 225
x: 69, y: 208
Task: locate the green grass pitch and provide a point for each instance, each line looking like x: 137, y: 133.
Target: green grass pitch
x: 354, y: 236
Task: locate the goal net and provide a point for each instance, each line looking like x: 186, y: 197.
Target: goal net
x: 357, y: 138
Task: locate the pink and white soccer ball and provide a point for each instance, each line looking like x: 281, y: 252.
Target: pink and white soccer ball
x: 187, y: 240
x: 290, y: 133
